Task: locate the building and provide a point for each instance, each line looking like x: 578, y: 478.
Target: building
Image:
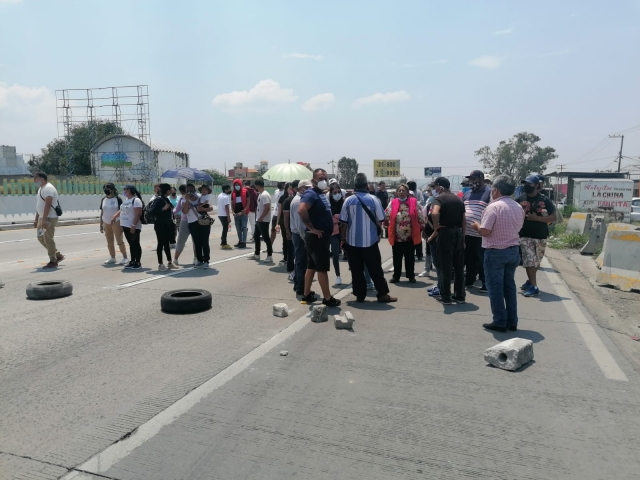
x: 238, y: 171
x: 12, y: 163
x: 127, y: 158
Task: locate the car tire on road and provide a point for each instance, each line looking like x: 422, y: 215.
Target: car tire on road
x: 49, y: 289
x: 186, y: 301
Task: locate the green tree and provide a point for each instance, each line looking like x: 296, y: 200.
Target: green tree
x: 219, y: 178
x: 73, y: 155
x: 517, y: 157
x: 347, y: 170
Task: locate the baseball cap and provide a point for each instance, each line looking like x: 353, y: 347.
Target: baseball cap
x: 442, y: 182
x: 332, y: 181
x: 488, y: 177
x: 432, y: 184
x: 531, y: 179
x: 475, y: 173
x: 305, y: 183
x: 540, y: 178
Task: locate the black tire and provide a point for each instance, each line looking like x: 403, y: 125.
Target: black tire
x: 49, y: 289
x: 186, y: 301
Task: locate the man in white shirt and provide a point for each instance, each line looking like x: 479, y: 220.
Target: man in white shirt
x: 224, y: 215
x: 263, y: 214
x: 47, y: 218
x: 274, y: 219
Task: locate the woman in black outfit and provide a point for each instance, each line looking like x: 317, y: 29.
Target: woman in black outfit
x: 336, y: 201
x: 163, y: 225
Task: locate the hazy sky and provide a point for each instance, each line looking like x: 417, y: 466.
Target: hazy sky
x: 421, y: 81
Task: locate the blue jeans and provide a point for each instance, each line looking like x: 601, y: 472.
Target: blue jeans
x: 499, y: 271
x: 433, y: 246
x: 241, y: 227
x: 300, y: 262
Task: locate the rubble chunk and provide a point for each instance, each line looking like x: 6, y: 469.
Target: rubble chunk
x: 510, y: 354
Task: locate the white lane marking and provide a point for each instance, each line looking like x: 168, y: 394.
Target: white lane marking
x: 175, y: 272
x: 57, y: 236
x: 602, y: 356
x: 115, y: 452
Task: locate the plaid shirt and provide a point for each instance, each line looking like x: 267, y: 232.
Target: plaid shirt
x: 504, y: 217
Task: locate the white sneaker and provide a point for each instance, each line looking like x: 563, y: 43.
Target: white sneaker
x: 268, y: 259
x: 290, y: 276
x: 197, y: 264
x: 175, y: 263
x: 195, y: 260
x: 161, y: 267
x: 338, y: 280
x: 170, y: 266
x: 253, y: 257
x: 111, y: 261
x: 390, y: 270
x: 424, y: 273
x: 124, y: 261
x: 205, y: 264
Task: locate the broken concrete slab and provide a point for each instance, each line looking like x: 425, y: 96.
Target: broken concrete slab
x: 319, y: 314
x: 344, y: 322
x: 281, y: 310
x: 510, y: 354
x: 284, y: 353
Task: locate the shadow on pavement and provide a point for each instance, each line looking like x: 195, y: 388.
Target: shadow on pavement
x: 550, y: 297
x: 199, y: 272
x: 535, y: 337
x: 406, y: 284
x: 520, y: 370
x: 372, y: 305
x: 464, y: 308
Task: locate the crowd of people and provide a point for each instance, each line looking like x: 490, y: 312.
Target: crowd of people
x: 481, y: 234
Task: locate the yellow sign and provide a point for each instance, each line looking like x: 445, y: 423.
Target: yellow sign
x: 386, y: 168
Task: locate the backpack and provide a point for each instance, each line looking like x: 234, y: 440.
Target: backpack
x: 148, y: 218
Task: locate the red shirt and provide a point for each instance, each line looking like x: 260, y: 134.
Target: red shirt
x: 504, y: 217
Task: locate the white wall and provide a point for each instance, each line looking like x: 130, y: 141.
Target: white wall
x: 22, y: 208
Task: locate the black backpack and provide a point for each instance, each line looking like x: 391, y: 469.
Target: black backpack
x: 147, y: 217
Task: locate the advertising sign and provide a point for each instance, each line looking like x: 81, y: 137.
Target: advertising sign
x: 432, y: 171
x: 116, y: 159
x: 386, y: 168
x: 603, y: 195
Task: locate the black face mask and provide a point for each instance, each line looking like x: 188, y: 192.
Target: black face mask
x: 529, y: 188
x: 107, y: 191
x: 475, y: 186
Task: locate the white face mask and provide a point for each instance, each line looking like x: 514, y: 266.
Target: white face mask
x: 434, y: 193
x: 322, y: 184
x: 237, y: 187
x: 337, y: 196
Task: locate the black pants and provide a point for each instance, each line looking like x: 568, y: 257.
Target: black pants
x: 286, y: 248
x: 291, y: 258
x: 174, y: 231
x: 404, y: 250
x: 473, y: 259
x: 450, y: 251
x: 263, y: 230
x: 359, y: 257
x: 224, y: 221
x: 200, y: 237
x: 133, y: 239
x: 163, y: 235
x: 418, y: 249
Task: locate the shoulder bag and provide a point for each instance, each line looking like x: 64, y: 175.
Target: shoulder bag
x: 57, y: 208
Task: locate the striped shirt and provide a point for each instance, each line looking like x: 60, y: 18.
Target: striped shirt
x: 361, y: 231
x: 295, y: 223
x: 474, y: 205
x: 504, y: 217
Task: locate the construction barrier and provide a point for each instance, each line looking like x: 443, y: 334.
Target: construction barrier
x: 621, y: 259
x: 597, y: 235
x: 580, y: 222
x: 620, y: 227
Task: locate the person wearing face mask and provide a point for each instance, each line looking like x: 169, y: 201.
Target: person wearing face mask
x: 540, y: 212
x: 499, y: 229
x: 47, y: 218
x: 413, y: 192
x: 173, y: 198
x: 240, y: 206
x: 109, y: 206
x: 406, y: 222
x: 475, y: 201
x: 336, y: 200
x: 315, y: 213
x: 183, y: 229
x: 284, y: 224
x: 276, y: 224
x: 252, y: 195
x: 296, y: 228
x: 130, y: 214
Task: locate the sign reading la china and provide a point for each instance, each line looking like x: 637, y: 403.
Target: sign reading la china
x: 609, y: 196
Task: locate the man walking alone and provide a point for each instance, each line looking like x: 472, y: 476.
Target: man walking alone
x: 47, y: 218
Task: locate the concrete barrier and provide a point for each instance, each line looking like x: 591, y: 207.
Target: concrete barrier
x: 579, y: 222
x: 621, y: 260
x: 620, y: 227
x: 596, y: 234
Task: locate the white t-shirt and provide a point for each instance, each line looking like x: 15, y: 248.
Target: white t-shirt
x: 127, y: 214
x: 277, y: 205
x: 43, y: 192
x: 264, y: 203
x: 223, y: 200
x: 193, y: 214
x: 109, y: 209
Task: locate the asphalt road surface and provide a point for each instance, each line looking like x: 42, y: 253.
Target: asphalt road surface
x: 102, y: 384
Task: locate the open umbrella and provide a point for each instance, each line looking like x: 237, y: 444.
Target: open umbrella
x: 287, y: 172
x: 189, y: 174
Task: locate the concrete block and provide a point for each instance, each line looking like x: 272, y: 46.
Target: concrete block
x: 319, y: 314
x: 596, y: 236
x: 620, y: 259
x: 284, y: 353
x: 344, y: 322
x: 281, y: 310
x: 511, y: 354
x: 619, y: 227
x: 579, y: 222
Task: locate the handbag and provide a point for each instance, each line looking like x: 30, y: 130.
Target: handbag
x: 57, y: 208
x: 371, y: 217
x: 203, y: 218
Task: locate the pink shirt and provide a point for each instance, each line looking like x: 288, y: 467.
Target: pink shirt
x: 504, y: 217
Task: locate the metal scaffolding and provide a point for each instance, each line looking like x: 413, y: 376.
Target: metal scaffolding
x: 126, y: 106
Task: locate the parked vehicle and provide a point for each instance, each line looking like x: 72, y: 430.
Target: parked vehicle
x: 635, y: 209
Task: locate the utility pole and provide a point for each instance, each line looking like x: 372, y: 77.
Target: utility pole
x: 621, y: 137
x: 559, y: 181
x: 333, y: 164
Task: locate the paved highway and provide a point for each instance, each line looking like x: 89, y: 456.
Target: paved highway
x: 102, y: 384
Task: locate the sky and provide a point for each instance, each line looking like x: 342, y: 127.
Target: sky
x: 426, y: 82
